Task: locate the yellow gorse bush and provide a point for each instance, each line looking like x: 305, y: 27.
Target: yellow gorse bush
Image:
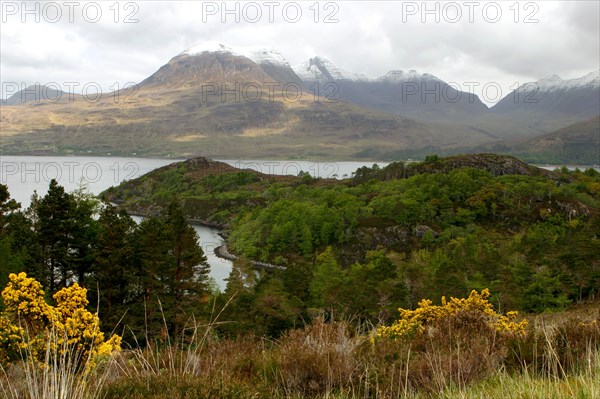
x: 416, y: 321
x: 30, y: 325
x: 24, y: 297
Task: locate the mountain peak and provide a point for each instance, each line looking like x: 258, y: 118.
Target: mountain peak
x: 553, y: 98
x: 257, y: 54
x: 207, y: 47
x: 592, y: 78
x: 555, y: 82
x: 593, y: 75
x: 551, y: 78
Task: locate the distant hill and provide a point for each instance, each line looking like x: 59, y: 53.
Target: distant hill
x: 37, y: 94
x: 578, y: 143
x: 145, y: 195
x: 496, y: 164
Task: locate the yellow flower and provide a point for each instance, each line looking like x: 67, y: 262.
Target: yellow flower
x: 48, y: 325
x: 415, y: 321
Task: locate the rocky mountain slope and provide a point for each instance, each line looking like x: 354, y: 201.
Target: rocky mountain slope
x: 221, y: 101
x: 552, y: 102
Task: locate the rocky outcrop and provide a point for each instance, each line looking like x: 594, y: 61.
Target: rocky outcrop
x: 421, y: 230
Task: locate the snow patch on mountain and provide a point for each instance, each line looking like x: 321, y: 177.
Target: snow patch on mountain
x: 554, y: 82
x: 321, y: 69
x: 398, y: 76
x: 257, y: 54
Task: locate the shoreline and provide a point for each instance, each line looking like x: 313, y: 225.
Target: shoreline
x: 222, y: 251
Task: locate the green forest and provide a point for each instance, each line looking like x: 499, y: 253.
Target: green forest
x: 353, y: 251
x: 388, y: 237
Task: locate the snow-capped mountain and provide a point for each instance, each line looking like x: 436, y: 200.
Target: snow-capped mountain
x: 217, y: 62
x: 319, y: 69
x: 554, y: 82
x: 209, y: 63
x: 398, y: 76
x: 553, y: 96
x: 413, y: 94
x: 259, y: 55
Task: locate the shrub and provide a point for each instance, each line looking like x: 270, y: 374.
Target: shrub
x: 563, y: 348
x: 29, y: 325
x: 427, y: 315
x: 574, y: 341
x: 454, y: 343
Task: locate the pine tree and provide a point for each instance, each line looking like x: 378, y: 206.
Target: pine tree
x: 239, y: 296
x: 11, y: 260
x: 56, y: 221
x: 149, y: 275
x: 171, y: 279
x: 327, y: 280
x: 84, y: 233
x: 112, y: 270
x: 188, y: 270
x: 7, y: 206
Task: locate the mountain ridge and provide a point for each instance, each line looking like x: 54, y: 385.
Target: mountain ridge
x: 216, y: 100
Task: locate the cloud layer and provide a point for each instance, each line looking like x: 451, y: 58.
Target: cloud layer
x: 458, y: 41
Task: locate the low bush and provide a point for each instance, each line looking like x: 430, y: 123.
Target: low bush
x: 51, y: 351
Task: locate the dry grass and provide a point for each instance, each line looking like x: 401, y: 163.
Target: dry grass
x: 459, y: 359
x: 331, y: 360
x: 62, y: 373
x: 317, y: 359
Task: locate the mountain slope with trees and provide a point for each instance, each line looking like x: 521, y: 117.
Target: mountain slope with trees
x: 359, y: 247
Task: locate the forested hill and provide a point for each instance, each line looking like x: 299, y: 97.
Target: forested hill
x: 396, y: 234
x: 201, y: 182
x: 210, y: 190
x: 497, y: 165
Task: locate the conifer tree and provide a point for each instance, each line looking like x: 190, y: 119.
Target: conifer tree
x: 188, y: 269
x: 55, y: 214
x: 171, y: 278
x: 112, y: 271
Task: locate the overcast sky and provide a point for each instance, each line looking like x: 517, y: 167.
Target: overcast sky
x: 473, y: 41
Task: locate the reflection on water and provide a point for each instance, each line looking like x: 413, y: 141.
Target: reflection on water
x: 219, y: 268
